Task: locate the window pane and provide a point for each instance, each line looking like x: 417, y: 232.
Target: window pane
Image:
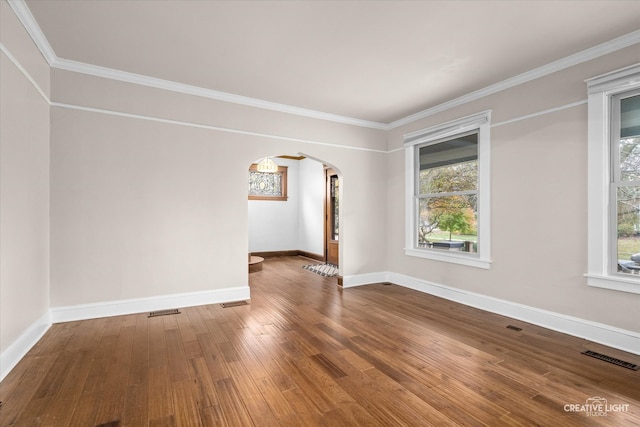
x: 449, y: 179
x: 449, y: 166
x: 630, y: 159
x: 448, y: 222
x: 459, y: 149
x: 265, y: 183
x: 335, y: 207
x: 627, y: 193
x: 630, y: 117
x: 628, y: 227
x: 447, y: 210
x: 630, y: 138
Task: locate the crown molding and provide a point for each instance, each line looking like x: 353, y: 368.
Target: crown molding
x: 25, y: 16
x: 138, y: 79
x: 23, y: 13
x: 561, y: 64
x: 28, y: 21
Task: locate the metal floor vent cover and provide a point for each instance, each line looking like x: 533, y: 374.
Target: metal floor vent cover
x: 233, y: 304
x: 164, y: 312
x: 613, y: 360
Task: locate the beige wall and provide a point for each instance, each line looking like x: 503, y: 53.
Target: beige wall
x: 144, y: 208
x: 24, y: 184
x: 538, y: 201
x: 148, y: 192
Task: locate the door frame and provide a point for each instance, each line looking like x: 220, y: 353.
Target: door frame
x: 328, y: 241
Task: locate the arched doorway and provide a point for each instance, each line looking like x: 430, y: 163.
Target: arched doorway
x: 296, y: 223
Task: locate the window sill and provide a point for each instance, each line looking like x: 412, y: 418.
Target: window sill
x: 270, y: 198
x: 451, y: 257
x: 616, y: 283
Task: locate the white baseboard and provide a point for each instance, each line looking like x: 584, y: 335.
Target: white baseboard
x: 141, y: 305
x: 597, y: 332
x: 19, y: 348
x: 364, y: 279
x: 611, y: 336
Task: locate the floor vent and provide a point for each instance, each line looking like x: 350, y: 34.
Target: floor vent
x: 515, y: 328
x: 233, y: 304
x: 163, y: 312
x: 613, y: 360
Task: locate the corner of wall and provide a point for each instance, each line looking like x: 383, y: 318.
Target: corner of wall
x: 20, y: 347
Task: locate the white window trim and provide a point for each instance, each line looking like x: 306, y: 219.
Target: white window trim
x: 481, y: 123
x: 601, y: 89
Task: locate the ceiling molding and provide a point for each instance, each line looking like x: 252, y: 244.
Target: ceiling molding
x: 561, y: 64
x: 23, y: 13
x: 138, y: 79
x: 28, y: 21
x: 25, y: 16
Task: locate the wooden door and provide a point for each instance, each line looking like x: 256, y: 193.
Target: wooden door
x: 332, y: 224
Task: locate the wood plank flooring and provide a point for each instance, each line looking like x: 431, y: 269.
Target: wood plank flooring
x: 305, y: 352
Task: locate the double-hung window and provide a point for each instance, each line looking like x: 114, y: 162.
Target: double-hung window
x: 614, y: 180
x: 448, y: 192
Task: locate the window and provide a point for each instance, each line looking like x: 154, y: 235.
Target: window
x: 334, y: 207
x: 625, y: 180
x: 448, y: 192
x: 614, y: 180
x: 268, y: 185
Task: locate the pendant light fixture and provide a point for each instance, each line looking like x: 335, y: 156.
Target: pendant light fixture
x: 267, y: 165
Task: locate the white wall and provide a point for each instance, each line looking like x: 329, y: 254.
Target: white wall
x: 294, y: 224
x: 538, y: 201
x: 142, y: 207
x: 24, y: 192
x: 145, y: 194
x: 311, y: 207
x: 273, y: 225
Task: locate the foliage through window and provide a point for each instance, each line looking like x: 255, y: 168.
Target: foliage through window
x: 448, y: 191
x: 268, y: 185
x: 614, y: 180
x: 625, y: 182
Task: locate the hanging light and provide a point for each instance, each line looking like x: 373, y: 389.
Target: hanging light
x: 267, y: 165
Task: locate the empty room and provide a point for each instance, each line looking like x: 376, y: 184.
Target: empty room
x: 319, y: 213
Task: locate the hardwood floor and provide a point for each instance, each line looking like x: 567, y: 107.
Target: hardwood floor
x: 304, y: 352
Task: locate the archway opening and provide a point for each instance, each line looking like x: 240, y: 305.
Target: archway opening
x: 287, y: 213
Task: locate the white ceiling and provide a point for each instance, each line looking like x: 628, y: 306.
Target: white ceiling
x: 372, y: 60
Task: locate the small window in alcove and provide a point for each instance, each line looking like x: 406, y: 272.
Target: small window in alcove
x: 268, y: 185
